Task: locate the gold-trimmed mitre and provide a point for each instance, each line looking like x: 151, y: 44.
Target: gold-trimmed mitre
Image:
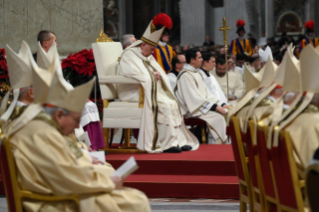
x: 151, y: 36
x: 61, y: 94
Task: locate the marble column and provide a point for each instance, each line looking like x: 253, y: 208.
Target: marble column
x: 270, y: 22
x: 235, y: 10
x: 192, y: 22
x: 76, y: 23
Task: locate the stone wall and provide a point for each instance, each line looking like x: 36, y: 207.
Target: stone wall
x: 192, y: 22
x: 76, y: 23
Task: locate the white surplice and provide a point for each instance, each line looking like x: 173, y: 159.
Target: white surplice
x: 192, y: 94
x: 213, y: 86
x: 168, y: 122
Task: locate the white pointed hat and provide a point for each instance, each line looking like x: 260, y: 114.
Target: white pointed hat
x: 265, y: 54
x: 309, y: 63
x: 151, y: 36
x: 281, y: 70
x: 252, y: 80
x: 44, y: 59
x: 19, y: 66
x: 292, y: 80
x: 269, y: 74
x: 41, y: 82
x: 62, y: 95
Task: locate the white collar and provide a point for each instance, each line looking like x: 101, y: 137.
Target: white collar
x: 241, y: 38
x: 19, y: 103
x: 161, y: 43
x: 286, y: 107
x: 189, y: 67
x: 271, y: 98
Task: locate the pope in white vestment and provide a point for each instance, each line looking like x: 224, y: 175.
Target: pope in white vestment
x: 162, y: 126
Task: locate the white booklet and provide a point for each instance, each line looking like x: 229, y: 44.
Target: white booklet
x: 127, y: 168
x: 100, y: 155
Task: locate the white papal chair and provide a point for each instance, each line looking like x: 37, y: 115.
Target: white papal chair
x: 116, y: 114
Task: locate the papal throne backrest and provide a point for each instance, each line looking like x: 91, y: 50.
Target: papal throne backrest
x: 106, y: 55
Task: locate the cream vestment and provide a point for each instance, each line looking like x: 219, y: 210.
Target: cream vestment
x: 50, y: 163
x: 235, y: 85
x: 192, y: 95
x: 162, y: 125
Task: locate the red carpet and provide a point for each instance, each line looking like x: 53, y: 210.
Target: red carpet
x: 208, y: 172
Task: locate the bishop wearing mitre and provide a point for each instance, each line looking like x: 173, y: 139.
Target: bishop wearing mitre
x: 50, y: 163
x: 162, y: 126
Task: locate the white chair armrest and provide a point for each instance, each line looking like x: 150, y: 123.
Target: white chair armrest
x: 117, y: 80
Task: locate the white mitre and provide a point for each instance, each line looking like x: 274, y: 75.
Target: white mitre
x: 150, y: 36
x: 62, y: 95
x: 20, y: 69
x: 41, y: 82
x: 265, y: 54
x: 44, y: 59
x: 19, y: 66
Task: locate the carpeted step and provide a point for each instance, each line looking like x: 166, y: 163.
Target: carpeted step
x: 214, y: 160
x: 208, y: 172
x: 181, y: 167
x: 188, y: 186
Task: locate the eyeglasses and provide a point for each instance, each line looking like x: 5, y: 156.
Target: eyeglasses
x: 182, y: 62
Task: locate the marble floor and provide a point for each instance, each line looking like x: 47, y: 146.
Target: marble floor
x: 177, y: 205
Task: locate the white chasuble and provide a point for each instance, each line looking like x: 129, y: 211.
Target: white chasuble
x: 192, y: 94
x: 162, y: 125
x: 49, y: 163
x: 236, y: 87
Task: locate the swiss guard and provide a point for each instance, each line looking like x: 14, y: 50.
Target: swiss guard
x: 164, y: 53
x: 240, y: 45
x: 309, y: 36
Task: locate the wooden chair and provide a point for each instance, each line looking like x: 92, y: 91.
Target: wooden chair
x: 254, y: 168
x: 312, y: 186
x: 116, y: 114
x: 267, y: 175
x: 193, y: 121
x: 241, y: 162
x: 14, y: 194
x: 286, y: 176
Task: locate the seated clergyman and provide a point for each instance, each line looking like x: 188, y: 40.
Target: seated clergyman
x: 162, y: 126
x: 49, y: 162
x: 196, y: 100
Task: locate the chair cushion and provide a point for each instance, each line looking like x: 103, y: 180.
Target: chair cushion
x: 122, y: 115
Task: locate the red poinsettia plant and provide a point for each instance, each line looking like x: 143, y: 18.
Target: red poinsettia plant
x: 4, y: 76
x: 3, y: 66
x: 80, y: 68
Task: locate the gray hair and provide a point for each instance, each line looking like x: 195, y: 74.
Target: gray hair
x: 23, y: 93
x: 126, y: 40
x: 289, y: 97
x: 52, y: 110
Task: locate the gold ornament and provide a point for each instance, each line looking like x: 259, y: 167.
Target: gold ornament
x: 5, y: 87
x: 103, y: 37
